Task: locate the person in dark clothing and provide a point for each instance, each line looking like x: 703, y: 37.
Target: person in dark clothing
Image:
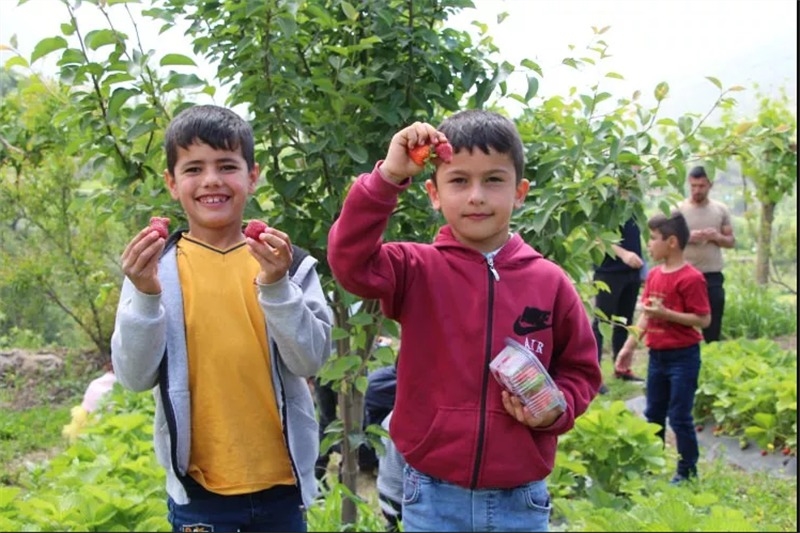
x: 378, y: 403
x: 622, y: 273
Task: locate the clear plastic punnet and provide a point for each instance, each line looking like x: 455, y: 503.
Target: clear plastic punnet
x: 520, y: 372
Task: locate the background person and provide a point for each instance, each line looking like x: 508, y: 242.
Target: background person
x: 622, y: 273
x: 709, y: 222
x: 675, y: 305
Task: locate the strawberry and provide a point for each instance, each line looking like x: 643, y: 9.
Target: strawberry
x: 160, y: 225
x: 420, y: 154
x: 698, y: 428
x: 786, y: 451
x: 254, y: 229
x: 763, y: 453
x: 444, y: 151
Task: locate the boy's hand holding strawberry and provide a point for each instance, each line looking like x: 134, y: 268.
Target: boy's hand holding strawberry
x: 409, y: 150
x: 271, y: 248
x: 140, y: 258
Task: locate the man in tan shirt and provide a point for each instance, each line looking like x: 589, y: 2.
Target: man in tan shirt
x: 711, y: 230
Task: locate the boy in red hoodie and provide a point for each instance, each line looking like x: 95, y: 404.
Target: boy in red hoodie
x: 477, y: 459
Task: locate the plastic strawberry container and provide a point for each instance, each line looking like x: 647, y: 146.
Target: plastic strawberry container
x: 520, y: 372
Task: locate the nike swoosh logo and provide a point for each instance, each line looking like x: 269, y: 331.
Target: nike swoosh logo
x: 521, y: 328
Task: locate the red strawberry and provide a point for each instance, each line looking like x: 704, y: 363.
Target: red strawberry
x: 420, y: 154
x: 444, y: 151
x: 699, y: 428
x: 254, y: 229
x: 763, y: 452
x: 786, y: 451
x: 160, y: 225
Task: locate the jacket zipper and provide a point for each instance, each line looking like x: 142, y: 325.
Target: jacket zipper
x: 493, y: 277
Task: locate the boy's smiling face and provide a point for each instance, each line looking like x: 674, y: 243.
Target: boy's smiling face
x: 477, y: 194
x: 212, y: 186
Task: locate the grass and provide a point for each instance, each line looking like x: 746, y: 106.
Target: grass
x: 32, y: 434
x: 34, y: 407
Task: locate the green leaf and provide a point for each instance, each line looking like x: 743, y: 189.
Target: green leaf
x: 46, y: 46
x: 177, y: 59
x: 533, y: 88
x: 715, y: 81
x: 349, y: 11
x: 357, y: 153
x: 361, y: 319
x: 661, y: 91
x: 118, y: 98
x: 98, y: 38
x: 16, y: 61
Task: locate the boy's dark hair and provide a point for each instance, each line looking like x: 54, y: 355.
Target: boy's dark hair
x: 478, y: 128
x: 674, y: 225
x: 698, y: 172
x: 216, y: 126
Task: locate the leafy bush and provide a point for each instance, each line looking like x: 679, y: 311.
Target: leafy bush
x: 723, y: 499
x: 608, y: 451
x: 750, y: 387
x: 108, y: 480
x: 754, y: 311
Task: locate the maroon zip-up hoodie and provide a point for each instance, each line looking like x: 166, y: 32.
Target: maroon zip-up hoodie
x: 455, y: 310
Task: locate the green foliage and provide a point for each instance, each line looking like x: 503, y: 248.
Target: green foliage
x: 108, y: 480
x: 752, y: 310
x: 724, y: 499
x: 35, y: 430
x: 749, y: 388
x: 607, y: 454
x: 326, y: 513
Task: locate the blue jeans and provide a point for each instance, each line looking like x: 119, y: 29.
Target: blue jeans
x: 431, y: 504
x: 278, y: 508
x: 671, y: 386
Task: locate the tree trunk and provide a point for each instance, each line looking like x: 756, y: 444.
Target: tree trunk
x: 351, y: 406
x: 764, y: 242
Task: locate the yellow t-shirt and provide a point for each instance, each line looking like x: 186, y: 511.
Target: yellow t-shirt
x: 237, y: 439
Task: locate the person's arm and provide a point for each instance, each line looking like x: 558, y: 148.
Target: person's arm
x: 724, y: 237
x: 629, y: 258
x: 299, y: 319
x: 625, y: 355
x: 358, y: 258
x: 678, y: 317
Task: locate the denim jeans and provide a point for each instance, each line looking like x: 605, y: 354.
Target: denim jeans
x: 671, y: 386
x: 431, y: 504
x: 275, y: 509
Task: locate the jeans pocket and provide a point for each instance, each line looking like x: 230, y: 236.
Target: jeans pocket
x: 537, y: 497
x: 410, y: 485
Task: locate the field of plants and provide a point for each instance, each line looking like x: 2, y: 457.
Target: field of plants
x: 611, y: 472
x: 325, y: 85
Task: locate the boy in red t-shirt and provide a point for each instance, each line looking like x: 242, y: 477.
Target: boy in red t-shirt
x: 675, y: 308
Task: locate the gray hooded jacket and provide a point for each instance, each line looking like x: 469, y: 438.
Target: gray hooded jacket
x: 148, y: 351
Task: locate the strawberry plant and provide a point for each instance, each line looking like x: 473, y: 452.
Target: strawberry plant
x: 749, y: 388
x: 609, y: 450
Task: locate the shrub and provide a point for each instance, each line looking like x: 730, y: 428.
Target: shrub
x: 608, y: 451
x: 750, y: 387
x: 754, y: 311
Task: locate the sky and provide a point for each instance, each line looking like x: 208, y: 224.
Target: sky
x: 739, y: 42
